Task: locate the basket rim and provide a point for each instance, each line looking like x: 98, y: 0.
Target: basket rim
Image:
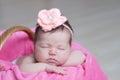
x: 8, y: 32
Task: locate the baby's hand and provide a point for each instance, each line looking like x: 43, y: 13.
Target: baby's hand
x: 52, y: 68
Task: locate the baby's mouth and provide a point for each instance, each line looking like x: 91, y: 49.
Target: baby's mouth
x: 51, y: 60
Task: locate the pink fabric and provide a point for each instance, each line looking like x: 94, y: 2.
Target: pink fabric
x: 19, y: 44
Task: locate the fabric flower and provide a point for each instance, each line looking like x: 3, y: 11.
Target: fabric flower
x: 50, y: 19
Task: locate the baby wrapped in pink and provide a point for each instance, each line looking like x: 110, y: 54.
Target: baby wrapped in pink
x: 19, y: 44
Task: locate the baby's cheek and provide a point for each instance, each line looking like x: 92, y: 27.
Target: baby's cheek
x: 64, y: 57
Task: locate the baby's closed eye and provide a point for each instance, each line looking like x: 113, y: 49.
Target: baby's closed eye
x: 44, y: 46
x: 60, y: 48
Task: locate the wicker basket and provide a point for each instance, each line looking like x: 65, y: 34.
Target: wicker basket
x: 5, y: 35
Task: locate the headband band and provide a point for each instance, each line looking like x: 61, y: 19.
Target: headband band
x: 50, y: 19
x: 68, y: 29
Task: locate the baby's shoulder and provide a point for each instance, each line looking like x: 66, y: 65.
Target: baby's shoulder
x: 78, y: 53
x: 26, y: 59
x: 29, y: 58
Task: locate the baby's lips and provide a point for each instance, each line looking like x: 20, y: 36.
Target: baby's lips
x: 51, y: 60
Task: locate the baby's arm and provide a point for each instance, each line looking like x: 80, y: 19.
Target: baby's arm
x: 27, y: 64
x: 76, y: 58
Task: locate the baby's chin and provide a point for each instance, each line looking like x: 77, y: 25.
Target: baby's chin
x: 53, y: 64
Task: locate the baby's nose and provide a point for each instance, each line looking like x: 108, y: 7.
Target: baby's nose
x: 52, y: 52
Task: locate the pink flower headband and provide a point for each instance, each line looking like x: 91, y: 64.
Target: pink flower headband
x: 50, y: 19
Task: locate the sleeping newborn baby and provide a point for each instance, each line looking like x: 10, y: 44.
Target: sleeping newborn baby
x: 52, y: 45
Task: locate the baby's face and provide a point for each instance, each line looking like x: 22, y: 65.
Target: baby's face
x: 53, y: 48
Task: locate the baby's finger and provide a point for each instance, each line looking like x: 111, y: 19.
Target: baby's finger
x: 60, y: 71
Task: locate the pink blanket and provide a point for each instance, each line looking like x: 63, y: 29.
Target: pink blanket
x: 19, y: 44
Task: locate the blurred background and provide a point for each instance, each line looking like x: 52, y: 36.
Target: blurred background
x: 96, y: 25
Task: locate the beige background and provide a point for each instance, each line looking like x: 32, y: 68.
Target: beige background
x: 96, y: 24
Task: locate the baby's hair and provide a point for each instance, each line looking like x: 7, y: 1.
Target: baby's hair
x: 61, y: 27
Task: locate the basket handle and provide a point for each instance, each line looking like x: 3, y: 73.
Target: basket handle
x: 5, y: 35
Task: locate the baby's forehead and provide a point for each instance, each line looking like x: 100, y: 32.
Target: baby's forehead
x: 60, y: 34
x: 56, y: 32
x: 54, y: 37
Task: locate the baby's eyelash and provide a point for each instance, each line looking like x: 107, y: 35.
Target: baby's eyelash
x: 61, y: 48
x: 44, y: 46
